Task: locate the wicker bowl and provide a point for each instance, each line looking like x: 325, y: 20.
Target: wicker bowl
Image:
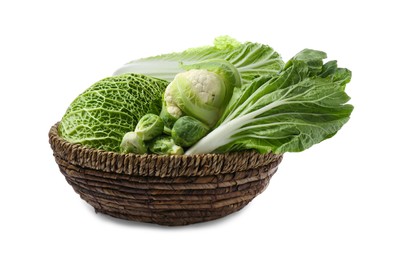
x: 166, y: 190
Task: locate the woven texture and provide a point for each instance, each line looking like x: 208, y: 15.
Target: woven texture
x: 166, y: 190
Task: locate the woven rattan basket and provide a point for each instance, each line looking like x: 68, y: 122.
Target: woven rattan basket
x: 166, y: 190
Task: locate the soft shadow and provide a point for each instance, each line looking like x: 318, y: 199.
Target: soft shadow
x: 136, y: 224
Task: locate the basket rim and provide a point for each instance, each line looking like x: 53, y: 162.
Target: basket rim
x: 153, y: 164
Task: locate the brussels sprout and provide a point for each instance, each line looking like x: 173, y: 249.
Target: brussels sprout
x: 149, y: 126
x: 164, y: 145
x: 187, y: 131
x: 132, y: 143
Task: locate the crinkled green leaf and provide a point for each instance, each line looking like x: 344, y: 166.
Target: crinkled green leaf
x: 101, y: 115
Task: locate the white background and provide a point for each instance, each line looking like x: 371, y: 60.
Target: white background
x: 337, y: 200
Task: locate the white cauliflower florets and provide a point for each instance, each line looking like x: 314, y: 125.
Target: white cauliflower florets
x: 171, y: 106
x: 205, y: 85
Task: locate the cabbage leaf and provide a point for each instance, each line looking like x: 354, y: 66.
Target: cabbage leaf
x: 301, y: 106
x: 251, y: 60
x: 101, y: 115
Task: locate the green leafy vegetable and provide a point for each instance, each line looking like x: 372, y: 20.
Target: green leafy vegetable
x: 133, y: 143
x: 100, y: 116
x: 251, y: 60
x: 164, y: 145
x: 242, y: 93
x: 301, y: 106
x: 187, y: 131
x: 149, y: 127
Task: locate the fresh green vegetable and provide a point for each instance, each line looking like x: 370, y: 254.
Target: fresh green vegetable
x: 251, y: 60
x: 241, y: 94
x: 101, y: 115
x: 202, y: 92
x: 301, y: 106
x: 149, y: 126
x: 133, y: 143
x: 169, y: 118
x: 164, y: 145
x: 188, y: 130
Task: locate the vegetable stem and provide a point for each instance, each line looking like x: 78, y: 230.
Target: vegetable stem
x: 223, y: 134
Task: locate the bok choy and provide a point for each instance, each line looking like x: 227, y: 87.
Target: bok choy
x: 301, y: 106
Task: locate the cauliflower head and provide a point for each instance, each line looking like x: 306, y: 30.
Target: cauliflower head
x: 206, y: 87
x: 202, y: 92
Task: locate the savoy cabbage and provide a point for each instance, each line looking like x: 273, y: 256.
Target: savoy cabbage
x: 101, y: 115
